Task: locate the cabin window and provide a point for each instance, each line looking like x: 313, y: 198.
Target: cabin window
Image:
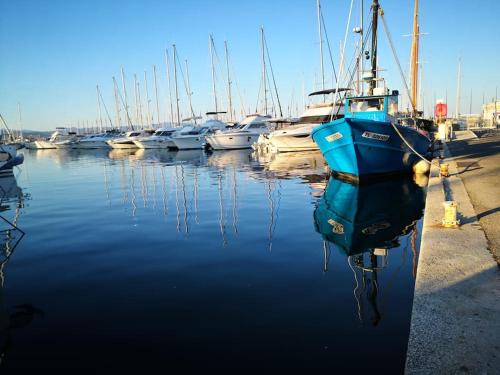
x: 257, y: 126
x: 393, y: 105
x: 366, y: 105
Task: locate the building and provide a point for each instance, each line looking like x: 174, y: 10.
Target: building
x: 491, y: 114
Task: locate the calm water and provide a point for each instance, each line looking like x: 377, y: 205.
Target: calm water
x: 143, y: 261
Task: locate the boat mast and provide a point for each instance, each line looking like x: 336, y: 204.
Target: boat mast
x: 156, y: 95
x: 150, y: 120
x: 321, y: 46
x: 373, y: 82
x: 414, y: 60
x: 167, y: 67
x: 264, y: 83
x: 228, y: 83
x: 211, y: 49
x: 124, y: 90
x: 117, y: 105
x: 188, y: 88
x: 99, y: 108
x: 361, y: 67
x: 136, y: 102
x: 176, y: 87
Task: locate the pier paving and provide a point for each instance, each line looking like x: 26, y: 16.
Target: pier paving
x: 456, y: 311
x: 478, y: 164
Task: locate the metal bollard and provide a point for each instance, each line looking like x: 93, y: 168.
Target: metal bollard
x: 450, y: 214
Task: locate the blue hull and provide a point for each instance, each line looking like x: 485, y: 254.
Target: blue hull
x: 362, y: 148
x: 11, y: 163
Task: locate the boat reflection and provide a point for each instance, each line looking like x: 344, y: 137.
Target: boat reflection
x: 364, y: 222
x: 12, y: 318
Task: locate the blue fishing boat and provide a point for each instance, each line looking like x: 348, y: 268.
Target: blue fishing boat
x: 369, y: 141
x: 359, y: 218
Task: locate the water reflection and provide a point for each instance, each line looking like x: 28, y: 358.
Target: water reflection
x: 364, y: 222
x: 19, y: 316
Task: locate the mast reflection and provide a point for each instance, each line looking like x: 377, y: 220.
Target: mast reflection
x: 364, y: 222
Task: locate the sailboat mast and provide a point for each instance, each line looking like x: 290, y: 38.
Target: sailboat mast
x: 117, y: 105
x: 156, y: 96
x: 176, y: 87
x: 414, y: 59
x: 228, y: 83
x: 136, y: 102
x: 167, y: 67
x: 373, y: 82
x: 124, y: 90
x: 148, y: 123
x: 264, y: 83
x: 99, y: 113
x: 321, y: 46
x: 211, y: 49
x: 189, y: 91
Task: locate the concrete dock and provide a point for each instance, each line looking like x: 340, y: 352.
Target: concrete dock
x: 455, y: 321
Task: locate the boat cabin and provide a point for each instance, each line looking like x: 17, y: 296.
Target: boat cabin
x: 381, y: 108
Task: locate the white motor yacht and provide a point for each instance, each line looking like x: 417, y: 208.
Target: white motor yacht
x: 243, y: 135
x: 297, y: 137
x: 60, y: 135
x: 128, y: 140
x: 96, y: 140
x: 162, y: 138
x: 195, y: 138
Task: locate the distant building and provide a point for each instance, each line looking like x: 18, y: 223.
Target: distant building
x: 491, y: 114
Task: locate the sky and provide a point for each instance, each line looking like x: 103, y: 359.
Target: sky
x: 53, y: 53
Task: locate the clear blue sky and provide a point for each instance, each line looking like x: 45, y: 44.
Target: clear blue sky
x: 53, y: 53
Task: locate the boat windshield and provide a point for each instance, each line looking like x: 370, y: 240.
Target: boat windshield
x: 315, y: 119
x: 366, y: 105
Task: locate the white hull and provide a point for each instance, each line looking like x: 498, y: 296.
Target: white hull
x: 155, y: 144
x: 189, y: 142
x: 232, y: 141
x: 293, y: 139
x: 44, y: 145
x: 91, y: 145
x: 123, y: 145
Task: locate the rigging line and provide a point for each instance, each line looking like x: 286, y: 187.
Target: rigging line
x: 335, y: 96
x: 272, y: 74
x: 242, y: 102
x: 356, y: 296
x: 185, y: 85
x: 123, y: 103
x: 271, y: 92
x: 105, y: 108
x: 329, y: 47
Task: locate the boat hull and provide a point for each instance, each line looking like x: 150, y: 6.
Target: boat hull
x: 289, y: 140
x: 90, y: 145
x: 155, y: 143
x: 122, y: 145
x: 232, y: 141
x: 189, y: 142
x: 44, y: 145
x: 360, y: 148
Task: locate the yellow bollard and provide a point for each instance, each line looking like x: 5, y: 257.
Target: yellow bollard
x: 443, y: 170
x: 450, y: 214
